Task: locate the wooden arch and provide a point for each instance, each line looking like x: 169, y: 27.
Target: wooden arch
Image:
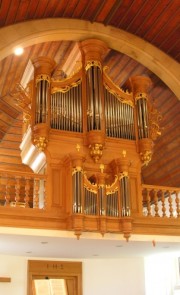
x: 33, y: 32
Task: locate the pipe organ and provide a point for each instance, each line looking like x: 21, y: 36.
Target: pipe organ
x: 96, y: 137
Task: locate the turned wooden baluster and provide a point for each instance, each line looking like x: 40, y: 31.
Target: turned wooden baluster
x: 36, y: 193
x: 45, y: 195
x: 177, y: 204
x: 1, y: 188
x: 7, y: 193
x: 27, y: 192
x: 163, y: 204
x: 170, y: 205
x: 156, y: 209
x: 17, y: 189
x: 148, y: 203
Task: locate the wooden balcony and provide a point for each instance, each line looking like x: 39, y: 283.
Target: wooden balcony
x: 24, y: 203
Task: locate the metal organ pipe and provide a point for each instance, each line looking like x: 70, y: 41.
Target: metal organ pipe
x: 41, y: 101
x: 77, y: 191
x: 90, y: 202
x: 66, y: 109
x: 125, y: 196
x: 94, y: 99
x: 119, y: 117
x: 142, y: 118
x: 102, y: 200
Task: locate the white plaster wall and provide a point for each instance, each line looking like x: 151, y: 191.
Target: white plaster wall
x: 100, y: 277
x: 114, y: 277
x: 15, y: 268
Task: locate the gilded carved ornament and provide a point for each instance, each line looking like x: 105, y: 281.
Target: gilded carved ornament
x: 93, y: 63
x: 44, y: 77
x: 146, y: 157
x: 41, y: 143
x: 22, y: 98
x: 66, y: 88
x: 141, y: 95
x: 154, y: 118
x: 96, y: 151
x: 126, y: 96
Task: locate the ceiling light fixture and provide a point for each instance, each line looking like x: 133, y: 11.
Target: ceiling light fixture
x: 18, y: 51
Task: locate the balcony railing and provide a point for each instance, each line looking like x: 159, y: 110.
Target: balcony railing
x: 22, y: 189
x: 159, y: 201
x: 28, y: 190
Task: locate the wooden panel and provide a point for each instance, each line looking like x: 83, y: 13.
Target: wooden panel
x: 57, y: 188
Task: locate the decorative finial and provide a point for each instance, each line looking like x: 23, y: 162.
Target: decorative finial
x: 124, y: 153
x: 101, y: 168
x: 78, y: 147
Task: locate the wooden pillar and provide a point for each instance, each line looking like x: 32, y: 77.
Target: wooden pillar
x: 140, y: 87
x: 43, y: 67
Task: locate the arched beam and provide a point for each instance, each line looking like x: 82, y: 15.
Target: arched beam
x: 33, y: 32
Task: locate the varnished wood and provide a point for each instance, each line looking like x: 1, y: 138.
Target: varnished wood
x: 5, y: 280
x: 155, y: 22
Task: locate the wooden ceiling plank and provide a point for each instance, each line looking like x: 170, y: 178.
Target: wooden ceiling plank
x: 78, y: 10
x: 70, y: 8
x: 5, y: 7
x: 160, y: 20
x: 12, y: 12
x: 174, y: 50
x: 1, y: 135
x: 159, y: 170
x: 21, y: 12
x: 5, y: 67
x: 118, y: 6
x: 98, y: 10
x: 31, y: 11
x: 129, y: 69
x: 141, y: 15
x: 10, y: 160
x: 40, y: 9
x: 9, y: 111
x: 171, y: 27
x: 132, y: 12
x: 9, y: 144
x: 151, y: 18
x: 51, y: 8
x: 7, y: 151
x: 89, y: 10
x: 103, y: 13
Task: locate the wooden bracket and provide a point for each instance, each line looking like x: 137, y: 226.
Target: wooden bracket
x: 5, y: 280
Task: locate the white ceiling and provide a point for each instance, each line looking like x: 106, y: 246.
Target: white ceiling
x: 58, y: 244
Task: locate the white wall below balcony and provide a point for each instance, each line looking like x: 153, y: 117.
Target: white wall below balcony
x: 100, y: 276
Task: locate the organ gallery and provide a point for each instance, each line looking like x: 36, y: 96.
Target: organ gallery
x: 90, y: 139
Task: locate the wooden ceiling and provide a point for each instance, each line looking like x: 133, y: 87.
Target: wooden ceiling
x: 154, y: 21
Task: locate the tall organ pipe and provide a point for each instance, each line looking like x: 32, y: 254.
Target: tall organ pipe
x: 41, y: 101
x: 125, y: 196
x: 143, y: 124
x: 94, y: 105
x: 77, y: 191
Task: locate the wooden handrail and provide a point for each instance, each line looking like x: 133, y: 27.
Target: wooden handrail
x: 159, y: 187
x: 21, y: 173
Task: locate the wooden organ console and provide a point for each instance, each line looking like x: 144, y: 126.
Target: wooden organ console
x: 95, y: 138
